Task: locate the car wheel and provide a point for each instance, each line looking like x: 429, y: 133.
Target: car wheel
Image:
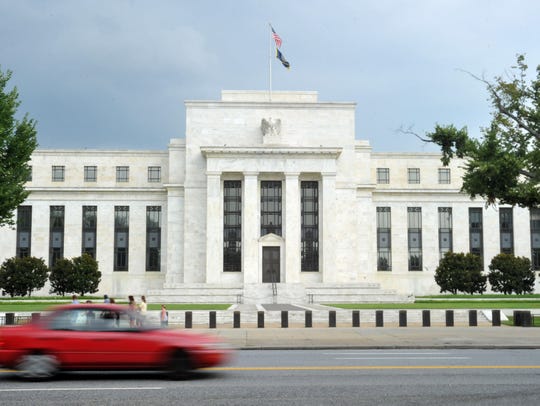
x: 179, y: 367
x: 37, y: 366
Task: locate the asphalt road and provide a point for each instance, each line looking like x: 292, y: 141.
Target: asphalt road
x: 309, y: 377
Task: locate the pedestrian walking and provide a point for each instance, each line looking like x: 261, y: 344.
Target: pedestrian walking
x: 164, y: 316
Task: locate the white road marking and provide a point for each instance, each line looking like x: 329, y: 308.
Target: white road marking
x: 391, y: 358
x: 76, y: 389
x: 384, y: 353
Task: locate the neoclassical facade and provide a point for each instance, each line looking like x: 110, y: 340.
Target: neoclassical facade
x: 267, y: 198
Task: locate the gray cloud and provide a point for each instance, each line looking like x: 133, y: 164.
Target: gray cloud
x: 114, y: 74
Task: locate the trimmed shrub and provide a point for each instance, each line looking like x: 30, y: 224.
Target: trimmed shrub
x: 21, y: 276
x: 459, y: 272
x: 510, y: 274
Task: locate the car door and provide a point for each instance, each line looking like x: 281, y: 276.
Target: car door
x: 121, y: 344
x: 98, y: 338
x: 67, y: 336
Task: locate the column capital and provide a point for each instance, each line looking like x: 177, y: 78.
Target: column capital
x: 213, y: 173
x: 250, y: 173
x: 292, y: 174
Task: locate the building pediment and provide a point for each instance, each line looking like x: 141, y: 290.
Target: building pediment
x: 271, y: 238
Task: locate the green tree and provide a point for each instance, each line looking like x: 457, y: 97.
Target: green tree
x: 62, y: 277
x: 17, y: 142
x: 459, y: 272
x: 86, y: 275
x: 21, y: 276
x: 511, y: 274
x: 504, y: 165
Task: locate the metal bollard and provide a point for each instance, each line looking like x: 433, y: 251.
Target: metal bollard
x: 188, y: 319
x: 10, y: 319
x: 518, y: 317
x: 309, y: 318
x: 426, y: 318
x: 495, y: 318
x: 212, y: 319
x: 236, y: 319
x: 449, y: 318
x: 332, y: 318
x: 403, y: 318
x: 526, y: 319
x: 356, y: 318
x: 379, y: 318
x: 473, y: 318
x: 260, y: 319
x: 284, y: 319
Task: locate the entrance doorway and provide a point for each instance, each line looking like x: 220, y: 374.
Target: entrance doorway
x: 270, y: 265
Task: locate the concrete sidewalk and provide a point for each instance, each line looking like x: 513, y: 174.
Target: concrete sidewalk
x: 380, y: 338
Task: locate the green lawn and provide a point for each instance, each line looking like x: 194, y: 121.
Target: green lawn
x: 17, y: 307
x: 469, y: 304
x: 489, y: 296
x: 491, y: 301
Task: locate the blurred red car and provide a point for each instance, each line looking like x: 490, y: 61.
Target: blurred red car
x: 104, y: 337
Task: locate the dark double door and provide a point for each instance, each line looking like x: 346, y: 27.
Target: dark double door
x: 270, y: 265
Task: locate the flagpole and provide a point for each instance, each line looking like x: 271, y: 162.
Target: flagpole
x: 270, y: 64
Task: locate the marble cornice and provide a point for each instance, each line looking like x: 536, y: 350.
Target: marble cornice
x: 225, y: 151
x: 95, y: 190
x: 271, y: 104
x: 99, y: 153
x: 419, y: 191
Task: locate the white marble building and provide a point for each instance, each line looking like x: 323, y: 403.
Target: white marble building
x: 261, y: 201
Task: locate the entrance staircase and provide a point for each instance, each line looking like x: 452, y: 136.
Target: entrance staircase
x: 276, y: 293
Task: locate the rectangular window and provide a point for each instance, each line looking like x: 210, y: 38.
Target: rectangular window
x: 445, y: 230
x: 58, y: 173
x: 29, y: 178
x: 413, y: 175
x: 24, y: 231
x: 414, y: 224
x: 506, y: 230
x: 444, y: 175
x: 271, y: 207
x: 90, y: 173
x: 476, y: 232
x: 122, y: 173
x: 232, y: 226
x: 56, y: 234
x: 309, y: 212
x: 153, y: 238
x: 535, y: 238
x: 383, y: 175
x: 384, y: 239
x: 89, y: 230
x: 121, y: 238
x: 154, y: 174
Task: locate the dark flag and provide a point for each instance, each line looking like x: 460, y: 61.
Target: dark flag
x: 280, y: 56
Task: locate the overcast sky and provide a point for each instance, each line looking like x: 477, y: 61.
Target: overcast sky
x: 115, y: 73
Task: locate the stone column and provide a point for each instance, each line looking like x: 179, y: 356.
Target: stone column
x: 175, y: 235
x: 292, y: 228
x: 214, y: 227
x: 250, y: 228
x: 329, y: 236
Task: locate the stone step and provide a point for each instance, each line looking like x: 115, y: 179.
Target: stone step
x: 285, y: 293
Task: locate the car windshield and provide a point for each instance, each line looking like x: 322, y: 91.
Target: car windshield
x: 94, y: 319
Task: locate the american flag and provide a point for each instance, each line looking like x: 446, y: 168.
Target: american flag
x: 276, y: 37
